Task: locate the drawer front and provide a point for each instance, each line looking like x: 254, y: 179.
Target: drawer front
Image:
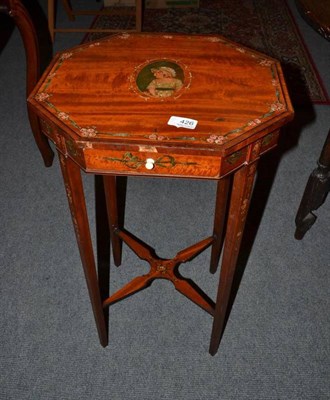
x: 54, y: 134
x: 234, y: 161
x: 151, y: 163
x: 269, y: 141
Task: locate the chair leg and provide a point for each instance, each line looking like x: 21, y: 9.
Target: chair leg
x: 26, y: 27
x: 68, y: 9
x: 71, y: 15
x: 51, y: 19
x: 52, y: 15
x: 41, y: 140
x: 315, y: 193
x: 139, y: 15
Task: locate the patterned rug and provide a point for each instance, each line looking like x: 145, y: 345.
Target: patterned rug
x: 264, y: 25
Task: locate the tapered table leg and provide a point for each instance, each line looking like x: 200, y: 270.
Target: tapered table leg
x: 219, y: 219
x: 239, y: 205
x: 102, y: 242
x: 111, y: 194
x: 75, y: 193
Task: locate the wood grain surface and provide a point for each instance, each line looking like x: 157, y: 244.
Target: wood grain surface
x: 122, y: 91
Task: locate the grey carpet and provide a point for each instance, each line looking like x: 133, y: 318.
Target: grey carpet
x: 276, y: 344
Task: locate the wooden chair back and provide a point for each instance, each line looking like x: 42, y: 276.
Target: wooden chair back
x: 22, y: 18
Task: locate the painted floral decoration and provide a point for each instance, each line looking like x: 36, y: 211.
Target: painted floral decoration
x: 277, y: 106
x: 88, y: 132
x: 265, y: 63
x: 63, y: 116
x: 65, y: 56
x: 255, y: 122
x: 216, y: 139
x: 156, y: 137
x: 42, y: 96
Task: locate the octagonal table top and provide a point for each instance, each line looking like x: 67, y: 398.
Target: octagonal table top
x: 128, y: 86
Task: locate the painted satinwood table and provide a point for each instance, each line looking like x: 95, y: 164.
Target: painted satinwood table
x: 163, y: 105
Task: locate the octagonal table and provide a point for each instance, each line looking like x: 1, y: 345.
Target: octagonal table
x: 163, y: 105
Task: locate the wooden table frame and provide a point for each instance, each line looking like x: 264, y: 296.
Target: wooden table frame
x: 127, y: 147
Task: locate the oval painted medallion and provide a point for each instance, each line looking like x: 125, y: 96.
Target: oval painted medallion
x: 161, y: 79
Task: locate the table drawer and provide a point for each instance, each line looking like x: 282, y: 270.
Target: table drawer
x: 152, y: 163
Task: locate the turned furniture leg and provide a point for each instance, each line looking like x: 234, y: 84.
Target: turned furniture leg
x: 111, y: 194
x: 238, y: 208
x: 75, y: 193
x: 219, y: 220
x: 315, y: 193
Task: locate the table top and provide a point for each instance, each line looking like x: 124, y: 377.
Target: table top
x: 156, y: 91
